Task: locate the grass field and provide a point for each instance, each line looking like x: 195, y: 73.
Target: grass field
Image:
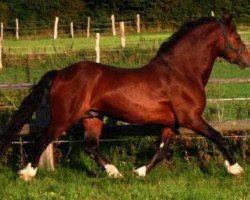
x: 26, y: 46
x: 179, y: 180
x: 107, y: 42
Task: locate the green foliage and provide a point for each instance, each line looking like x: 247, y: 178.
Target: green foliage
x: 158, y: 11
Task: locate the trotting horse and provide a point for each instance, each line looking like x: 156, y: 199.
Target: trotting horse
x: 169, y: 91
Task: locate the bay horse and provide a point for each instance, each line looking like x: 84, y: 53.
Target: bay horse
x: 169, y: 91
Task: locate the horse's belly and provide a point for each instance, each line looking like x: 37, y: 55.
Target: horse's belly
x: 159, y: 113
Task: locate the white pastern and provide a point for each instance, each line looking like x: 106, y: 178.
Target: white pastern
x: 112, y: 171
x: 234, y: 169
x: 141, y: 171
x: 162, y: 145
x: 27, y: 173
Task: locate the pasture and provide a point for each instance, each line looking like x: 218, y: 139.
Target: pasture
x: 77, y: 177
x: 27, y: 46
x: 107, y: 42
x: 178, y: 180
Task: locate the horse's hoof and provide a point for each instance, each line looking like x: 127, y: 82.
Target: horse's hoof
x: 112, y: 171
x: 27, y: 173
x: 234, y: 169
x: 141, y: 172
x: 25, y: 177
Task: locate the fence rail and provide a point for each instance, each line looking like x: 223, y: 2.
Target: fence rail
x: 230, y: 80
x: 114, y: 131
x: 16, y: 86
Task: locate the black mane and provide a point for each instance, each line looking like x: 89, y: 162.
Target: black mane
x: 183, y: 30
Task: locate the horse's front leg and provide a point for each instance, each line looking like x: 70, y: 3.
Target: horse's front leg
x: 200, y: 126
x: 161, y: 153
x: 91, y: 138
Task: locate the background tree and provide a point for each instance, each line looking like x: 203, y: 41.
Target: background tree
x: 158, y: 11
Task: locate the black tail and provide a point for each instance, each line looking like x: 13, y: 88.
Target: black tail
x: 26, y: 109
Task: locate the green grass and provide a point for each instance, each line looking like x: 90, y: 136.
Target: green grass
x: 25, y: 46
x: 226, y: 70
x: 179, y: 180
x: 107, y: 42
x: 245, y: 36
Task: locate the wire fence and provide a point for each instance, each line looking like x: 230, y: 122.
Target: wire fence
x: 71, y: 141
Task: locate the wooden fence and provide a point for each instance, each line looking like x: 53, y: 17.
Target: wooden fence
x: 109, y: 131
x: 110, y: 25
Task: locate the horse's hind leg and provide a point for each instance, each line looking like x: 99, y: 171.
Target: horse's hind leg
x: 41, y: 143
x: 92, y: 134
x: 161, y: 153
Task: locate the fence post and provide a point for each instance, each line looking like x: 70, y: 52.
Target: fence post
x: 1, y: 36
x: 17, y: 29
x: 1, y: 51
x: 122, y: 32
x: 71, y: 30
x: 88, y: 27
x: 97, y: 47
x: 56, y: 28
x: 113, y: 25
x: 138, y: 23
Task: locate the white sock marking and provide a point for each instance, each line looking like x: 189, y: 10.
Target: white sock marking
x: 162, y: 145
x: 112, y: 171
x: 141, y: 171
x: 27, y: 173
x: 234, y: 169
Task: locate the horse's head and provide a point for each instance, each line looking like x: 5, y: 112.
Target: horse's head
x: 232, y: 47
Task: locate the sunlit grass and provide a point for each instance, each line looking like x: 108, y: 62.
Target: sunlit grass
x: 179, y: 180
x: 26, y: 46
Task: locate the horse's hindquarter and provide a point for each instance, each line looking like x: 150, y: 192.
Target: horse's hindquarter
x: 71, y: 91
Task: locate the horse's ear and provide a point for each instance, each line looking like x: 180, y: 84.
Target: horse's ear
x: 228, y: 20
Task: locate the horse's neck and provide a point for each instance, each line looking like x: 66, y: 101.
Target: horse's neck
x: 195, y: 58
